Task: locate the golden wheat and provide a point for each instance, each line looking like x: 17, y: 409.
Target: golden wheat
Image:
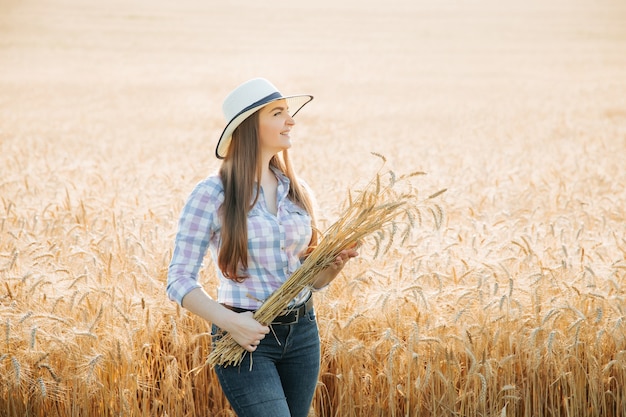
x: 513, y: 307
x: 375, y: 209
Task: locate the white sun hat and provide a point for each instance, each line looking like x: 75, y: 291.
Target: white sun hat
x: 248, y: 98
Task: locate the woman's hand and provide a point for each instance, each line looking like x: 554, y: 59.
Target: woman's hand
x: 242, y: 326
x: 330, y: 273
x: 246, y: 331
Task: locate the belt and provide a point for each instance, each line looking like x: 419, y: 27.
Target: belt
x: 289, y: 316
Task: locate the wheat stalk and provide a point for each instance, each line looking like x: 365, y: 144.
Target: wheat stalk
x: 375, y: 209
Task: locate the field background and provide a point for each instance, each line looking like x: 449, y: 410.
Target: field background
x: 514, y: 306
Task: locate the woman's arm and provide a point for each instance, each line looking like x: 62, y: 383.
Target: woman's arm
x: 242, y: 326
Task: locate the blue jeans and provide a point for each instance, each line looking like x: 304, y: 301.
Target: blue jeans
x: 285, y: 369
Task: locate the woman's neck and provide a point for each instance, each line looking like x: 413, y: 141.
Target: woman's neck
x: 269, y: 184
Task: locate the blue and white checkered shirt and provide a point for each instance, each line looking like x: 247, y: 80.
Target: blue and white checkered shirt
x: 275, y: 245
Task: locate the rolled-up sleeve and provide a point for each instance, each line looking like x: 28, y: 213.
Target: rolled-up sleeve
x: 196, y: 226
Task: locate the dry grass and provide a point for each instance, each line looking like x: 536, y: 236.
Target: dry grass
x: 513, y: 307
x: 380, y: 212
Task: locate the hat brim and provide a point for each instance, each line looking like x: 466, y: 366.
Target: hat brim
x: 295, y: 103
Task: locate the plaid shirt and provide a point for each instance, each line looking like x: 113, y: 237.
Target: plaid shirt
x: 275, y: 244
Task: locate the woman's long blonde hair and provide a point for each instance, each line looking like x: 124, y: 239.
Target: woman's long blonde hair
x: 239, y: 173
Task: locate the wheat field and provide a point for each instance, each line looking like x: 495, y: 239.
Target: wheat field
x: 511, y: 305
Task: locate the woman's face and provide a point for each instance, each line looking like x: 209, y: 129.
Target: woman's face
x: 275, y: 123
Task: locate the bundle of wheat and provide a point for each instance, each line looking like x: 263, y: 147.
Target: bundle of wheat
x: 379, y: 212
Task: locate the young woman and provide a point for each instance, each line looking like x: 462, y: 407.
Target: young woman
x: 256, y: 218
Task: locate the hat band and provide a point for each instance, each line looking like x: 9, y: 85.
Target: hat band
x: 264, y: 100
